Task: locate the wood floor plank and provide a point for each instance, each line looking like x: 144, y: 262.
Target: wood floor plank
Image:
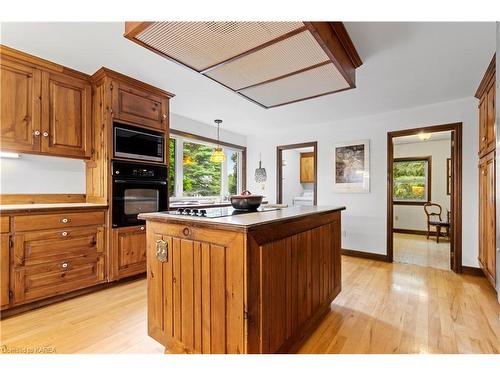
x: 383, y: 308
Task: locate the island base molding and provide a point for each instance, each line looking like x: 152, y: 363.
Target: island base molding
x: 243, y: 290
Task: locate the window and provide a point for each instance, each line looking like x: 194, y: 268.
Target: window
x: 412, y: 183
x: 192, y: 174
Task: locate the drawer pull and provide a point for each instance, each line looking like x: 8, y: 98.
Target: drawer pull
x: 142, y: 228
x: 64, y: 234
x: 64, y: 220
x: 186, y: 231
x: 64, y: 265
x: 162, y: 251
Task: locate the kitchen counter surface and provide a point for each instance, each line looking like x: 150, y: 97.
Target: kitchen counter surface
x: 243, y: 221
x: 35, y: 207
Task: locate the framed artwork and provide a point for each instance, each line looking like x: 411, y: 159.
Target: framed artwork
x: 352, y: 167
x: 448, y: 176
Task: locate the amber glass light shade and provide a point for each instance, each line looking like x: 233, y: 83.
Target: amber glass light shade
x: 218, y: 155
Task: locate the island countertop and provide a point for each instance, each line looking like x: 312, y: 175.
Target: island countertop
x: 243, y: 222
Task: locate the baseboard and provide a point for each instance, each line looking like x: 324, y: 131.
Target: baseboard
x: 414, y: 231
x: 474, y: 271
x: 362, y: 254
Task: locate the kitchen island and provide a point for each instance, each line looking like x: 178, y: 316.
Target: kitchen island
x: 250, y: 283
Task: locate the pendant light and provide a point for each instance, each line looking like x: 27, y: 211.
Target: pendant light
x: 260, y: 173
x: 218, y: 155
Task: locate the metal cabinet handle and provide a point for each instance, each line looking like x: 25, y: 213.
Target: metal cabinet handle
x: 164, y: 115
x: 64, y: 220
x: 484, y: 138
x: 45, y: 134
x: 162, y: 251
x: 64, y: 265
x: 64, y: 234
x: 36, y: 133
x: 142, y: 228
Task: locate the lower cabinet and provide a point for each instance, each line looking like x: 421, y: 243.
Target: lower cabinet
x: 129, y: 252
x: 4, y: 269
x: 51, y: 262
x: 487, y: 217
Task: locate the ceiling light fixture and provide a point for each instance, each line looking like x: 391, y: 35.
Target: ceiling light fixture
x: 424, y: 136
x: 218, y: 155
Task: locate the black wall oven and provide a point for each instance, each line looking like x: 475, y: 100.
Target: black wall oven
x: 131, y: 142
x: 137, y: 188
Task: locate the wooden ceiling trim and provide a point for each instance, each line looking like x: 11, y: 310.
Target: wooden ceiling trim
x: 333, y: 46
x: 490, y: 72
x: 255, y: 49
x: 285, y: 75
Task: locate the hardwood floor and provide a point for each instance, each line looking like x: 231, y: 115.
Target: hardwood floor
x: 417, y: 249
x: 383, y: 308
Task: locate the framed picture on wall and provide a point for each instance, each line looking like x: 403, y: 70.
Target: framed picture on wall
x: 448, y: 176
x: 352, y: 167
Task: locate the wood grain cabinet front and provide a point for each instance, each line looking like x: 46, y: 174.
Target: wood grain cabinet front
x: 66, y: 115
x: 20, y: 107
x: 307, y: 167
x: 45, y: 107
x: 47, y: 263
x: 132, y: 104
x: 129, y: 252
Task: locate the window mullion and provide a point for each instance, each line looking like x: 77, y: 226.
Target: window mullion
x: 179, y: 171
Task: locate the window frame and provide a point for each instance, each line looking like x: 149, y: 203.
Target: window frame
x: 182, y: 137
x: 428, y: 159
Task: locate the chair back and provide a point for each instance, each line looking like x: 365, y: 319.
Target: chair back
x: 432, y: 210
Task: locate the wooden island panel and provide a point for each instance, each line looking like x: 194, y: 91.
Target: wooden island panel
x: 259, y: 289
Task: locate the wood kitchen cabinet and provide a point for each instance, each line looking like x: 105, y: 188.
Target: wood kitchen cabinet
x: 487, y: 174
x: 4, y: 262
x: 129, y: 252
x: 52, y: 253
x: 45, y: 107
x: 139, y: 106
x: 20, y: 107
x: 487, y: 217
x: 66, y: 120
x: 307, y: 167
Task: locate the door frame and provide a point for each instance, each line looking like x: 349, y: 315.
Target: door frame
x: 456, y: 188
x: 279, y: 168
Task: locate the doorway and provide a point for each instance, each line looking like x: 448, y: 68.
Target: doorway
x: 424, y: 169
x: 297, y: 174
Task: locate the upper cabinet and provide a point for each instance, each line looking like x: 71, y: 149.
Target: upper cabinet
x: 20, y: 107
x: 66, y: 115
x: 307, y: 167
x: 486, y: 95
x: 46, y: 108
x: 138, y: 106
x: 132, y: 101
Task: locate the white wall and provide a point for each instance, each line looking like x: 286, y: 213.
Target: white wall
x: 291, y: 176
x: 364, y: 221
x: 35, y: 174
x: 413, y: 217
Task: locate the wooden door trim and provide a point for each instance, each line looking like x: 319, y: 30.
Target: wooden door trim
x: 279, y: 168
x: 456, y: 197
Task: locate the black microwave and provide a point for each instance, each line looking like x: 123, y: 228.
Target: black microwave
x: 135, y: 143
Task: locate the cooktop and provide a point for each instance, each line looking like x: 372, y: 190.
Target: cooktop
x: 216, y: 212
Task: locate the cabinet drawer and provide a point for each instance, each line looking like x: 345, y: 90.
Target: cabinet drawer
x: 61, y: 220
x: 57, y: 245
x: 4, y: 224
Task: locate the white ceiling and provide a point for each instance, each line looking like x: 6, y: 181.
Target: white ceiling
x: 404, y: 65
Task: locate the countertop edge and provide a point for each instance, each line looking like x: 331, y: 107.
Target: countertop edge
x: 41, y: 207
x: 156, y: 217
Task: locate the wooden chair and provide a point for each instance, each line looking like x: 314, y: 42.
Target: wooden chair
x: 433, y: 212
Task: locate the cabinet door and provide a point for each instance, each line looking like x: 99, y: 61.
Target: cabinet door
x: 490, y: 222
x: 129, y: 251
x: 138, y: 106
x: 4, y: 270
x: 483, y: 137
x: 20, y: 107
x: 195, y: 293
x: 66, y: 115
x: 307, y: 167
x: 490, y: 118
x: 47, y: 263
